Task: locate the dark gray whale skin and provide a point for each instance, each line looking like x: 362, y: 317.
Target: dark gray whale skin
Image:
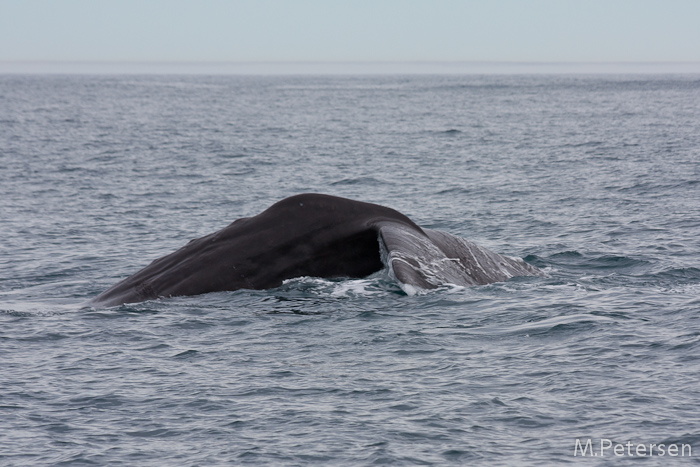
x: 318, y: 236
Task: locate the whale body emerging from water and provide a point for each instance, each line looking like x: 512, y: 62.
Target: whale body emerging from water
x: 318, y: 236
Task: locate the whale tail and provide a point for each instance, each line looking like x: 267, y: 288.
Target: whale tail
x: 436, y: 258
x: 318, y: 236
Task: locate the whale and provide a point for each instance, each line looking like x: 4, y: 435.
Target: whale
x: 316, y: 235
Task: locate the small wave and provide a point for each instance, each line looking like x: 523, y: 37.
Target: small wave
x: 676, y: 280
x: 558, y: 322
x: 602, y: 263
x: 567, y: 254
x: 585, y: 144
x: 371, y: 181
x: 691, y: 289
x: 240, y: 172
x: 650, y: 187
x: 538, y: 262
x: 187, y: 355
x: 615, y: 262
x: 275, y: 130
x: 448, y: 132
x: 681, y: 274
x: 35, y: 308
x: 453, y: 191
x: 544, y: 326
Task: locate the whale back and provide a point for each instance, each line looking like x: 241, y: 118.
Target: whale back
x: 304, y: 235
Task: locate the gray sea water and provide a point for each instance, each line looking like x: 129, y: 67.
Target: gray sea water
x: 595, y: 179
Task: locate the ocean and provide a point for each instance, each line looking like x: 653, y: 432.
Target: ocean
x: 593, y: 178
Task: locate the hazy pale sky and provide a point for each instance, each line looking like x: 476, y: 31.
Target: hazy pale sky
x: 358, y: 30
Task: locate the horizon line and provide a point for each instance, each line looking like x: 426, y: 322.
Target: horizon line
x: 305, y: 67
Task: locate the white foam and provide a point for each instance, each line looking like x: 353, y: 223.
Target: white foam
x: 352, y: 287
x: 408, y: 289
x: 366, y: 287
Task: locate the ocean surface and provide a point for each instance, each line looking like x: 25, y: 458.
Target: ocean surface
x: 594, y: 179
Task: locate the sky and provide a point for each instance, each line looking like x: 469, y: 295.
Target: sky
x: 529, y: 31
